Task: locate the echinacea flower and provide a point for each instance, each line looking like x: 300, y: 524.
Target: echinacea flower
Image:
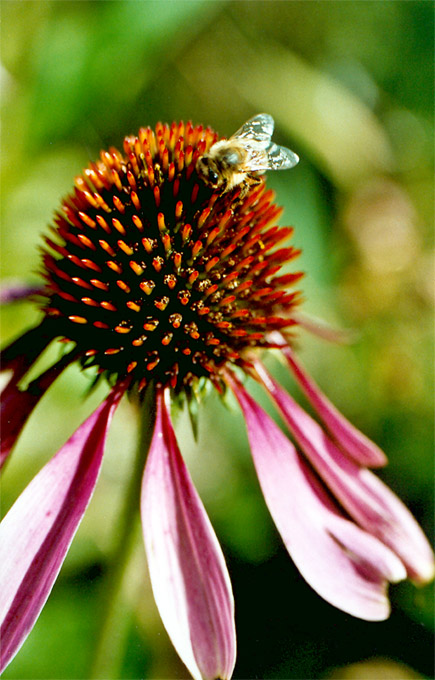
x: 159, y: 283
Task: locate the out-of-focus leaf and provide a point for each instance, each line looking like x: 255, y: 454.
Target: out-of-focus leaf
x: 339, y: 131
x: 374, y: 669
x: 91, y: 60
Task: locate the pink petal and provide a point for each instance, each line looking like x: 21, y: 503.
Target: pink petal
x: 15, y: 291
x: 368, y: 500
x: 344, y: 564
x: 353, y: 442
x: 17, y: 358
x: 322, y: 329
x: 189, y: 577
x: 37, y: 531
x: 17, y: 405
x: 20, y: 354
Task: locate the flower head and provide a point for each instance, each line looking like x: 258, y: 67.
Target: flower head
x: 153, y: 277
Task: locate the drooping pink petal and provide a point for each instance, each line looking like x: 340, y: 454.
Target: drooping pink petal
x: 344, y: 564
x: 17, y: 405
x: 353, y: 442
x: 365, y: 497
x: 322, y: 329
x: 37, y: 531
x: 188, y: 573
x: 21, y: 353
x: 16, y: 291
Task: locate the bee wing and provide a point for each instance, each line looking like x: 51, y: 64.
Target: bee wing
x: 258, y: 129
x: 255, y: 136
x: 273, y: 157
x: 280, y: 158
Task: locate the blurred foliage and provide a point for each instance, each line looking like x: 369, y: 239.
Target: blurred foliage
x: 350, y: 85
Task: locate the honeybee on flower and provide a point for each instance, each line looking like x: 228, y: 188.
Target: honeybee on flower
x: 245, y: 156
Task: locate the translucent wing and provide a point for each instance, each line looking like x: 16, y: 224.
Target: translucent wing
x: 273, y: 157
x: 255, y: 136
x: 257, y: 129
x: 280, y: 158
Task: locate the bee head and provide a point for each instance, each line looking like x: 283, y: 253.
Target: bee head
x: 207, y: 170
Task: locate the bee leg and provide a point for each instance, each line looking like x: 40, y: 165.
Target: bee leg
x: 254, y: 178
x: 243, y: 189
x: 223, y: 186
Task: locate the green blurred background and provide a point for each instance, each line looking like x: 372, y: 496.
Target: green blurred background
x: 350, y: 85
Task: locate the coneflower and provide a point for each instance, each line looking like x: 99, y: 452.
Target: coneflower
x: 163, y: 283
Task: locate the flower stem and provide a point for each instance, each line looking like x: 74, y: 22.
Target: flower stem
x: 111, y: 638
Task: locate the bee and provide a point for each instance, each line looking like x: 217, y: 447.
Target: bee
x: 245, y: 156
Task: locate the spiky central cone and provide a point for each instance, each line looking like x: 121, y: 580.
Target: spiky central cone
x: 152, y: 274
